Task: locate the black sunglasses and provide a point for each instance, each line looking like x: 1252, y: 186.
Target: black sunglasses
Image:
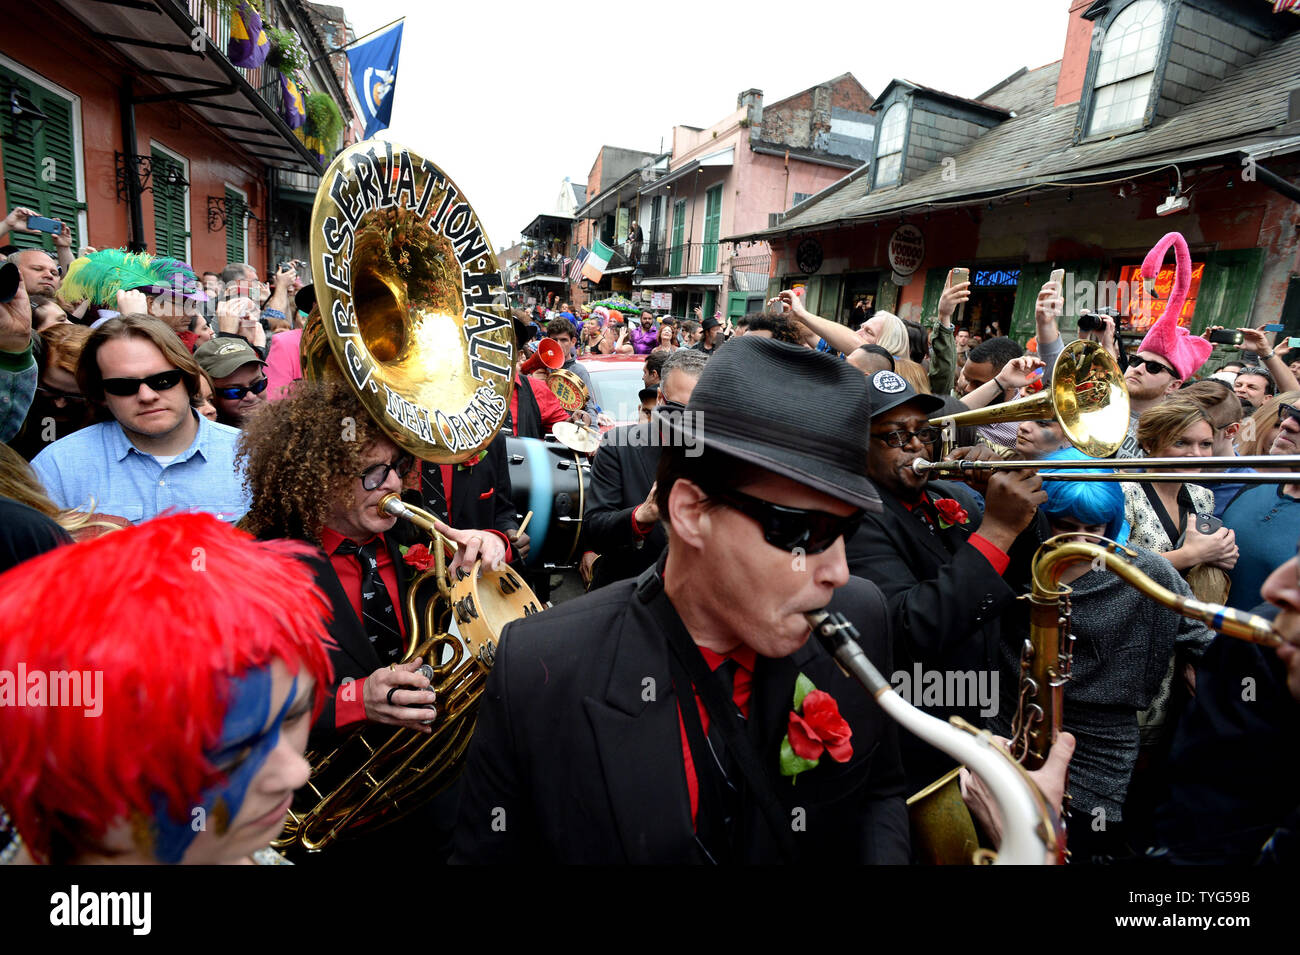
x: 1154, y: 367
x: 901, y: 438
x: 126, y: 387
x: 792, y: 528
x: 1285, y: 411
x: 373, y: 477
x: 236, y: 392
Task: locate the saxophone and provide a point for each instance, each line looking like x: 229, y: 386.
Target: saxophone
x: 942, y: 829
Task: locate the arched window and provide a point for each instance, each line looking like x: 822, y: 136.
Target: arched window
x: 1126, y: 68
x: 889, y: 147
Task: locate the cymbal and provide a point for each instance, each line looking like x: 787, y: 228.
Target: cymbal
x: 576, y: 437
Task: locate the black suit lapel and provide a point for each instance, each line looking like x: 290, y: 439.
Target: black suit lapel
x: 913, y: 528
x: 346, y: 628
x: 638, y: 739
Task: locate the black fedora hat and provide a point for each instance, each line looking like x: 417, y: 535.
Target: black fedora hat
x: 793, y: 411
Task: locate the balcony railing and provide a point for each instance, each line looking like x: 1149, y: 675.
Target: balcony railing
x: 264, y: 79
x: 690, y: 258
x: 542, y: 265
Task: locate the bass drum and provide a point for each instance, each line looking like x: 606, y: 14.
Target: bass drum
x: 552, y: 482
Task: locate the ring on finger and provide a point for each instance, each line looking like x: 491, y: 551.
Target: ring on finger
x: 390, y: 695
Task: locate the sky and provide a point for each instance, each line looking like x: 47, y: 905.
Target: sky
x: 510, y: 97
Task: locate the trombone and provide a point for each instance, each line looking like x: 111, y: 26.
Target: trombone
x: 1089, y: 400
x: 1045, y: 469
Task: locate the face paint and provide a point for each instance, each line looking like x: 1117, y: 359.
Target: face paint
x: 243, y: 747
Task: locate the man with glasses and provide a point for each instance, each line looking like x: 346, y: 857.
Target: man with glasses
x: 157, y: 453
x: 622, y: 518
x: 942, y: 568
x: 238, y: 378
x: 1265, y: 518
x: 662, y: 720
x: 1167, y: 356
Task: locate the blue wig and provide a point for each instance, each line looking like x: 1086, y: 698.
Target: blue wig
x: 1088, y: 502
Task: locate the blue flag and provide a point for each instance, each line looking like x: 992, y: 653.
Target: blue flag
x: 374, y: 72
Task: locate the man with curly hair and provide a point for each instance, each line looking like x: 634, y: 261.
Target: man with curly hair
x: 317, y: 468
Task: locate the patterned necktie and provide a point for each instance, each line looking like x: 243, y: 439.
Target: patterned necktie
x: 378, y: 616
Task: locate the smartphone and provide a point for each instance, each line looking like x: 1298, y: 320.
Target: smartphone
x: 42, y: 224
x: 1058, y: 276
x: 1225, y: 336
x: 1293, y: 343
x: 956, y: 277
x: 1274, y: 327
x: 1208, y: 523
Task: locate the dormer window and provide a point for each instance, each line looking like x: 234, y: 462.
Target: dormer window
x: 1127, y: 67
x: 889, y: 147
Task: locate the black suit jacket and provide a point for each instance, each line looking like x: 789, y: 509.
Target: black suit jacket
x: 621, y: 475
x: 945, y: 604
x: 480, y: 495
x: 577, y: 754
x: 352, y: 654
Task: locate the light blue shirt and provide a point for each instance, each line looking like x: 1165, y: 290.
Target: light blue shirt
x: 100, y: 465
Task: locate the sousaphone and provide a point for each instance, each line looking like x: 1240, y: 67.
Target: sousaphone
x: 411, y: 312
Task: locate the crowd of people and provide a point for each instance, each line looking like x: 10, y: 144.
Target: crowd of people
x: 145, y: 409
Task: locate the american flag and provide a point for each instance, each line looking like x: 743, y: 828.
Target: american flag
x: 575, y: 270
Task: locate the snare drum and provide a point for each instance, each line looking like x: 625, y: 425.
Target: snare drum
x: 552, y: 482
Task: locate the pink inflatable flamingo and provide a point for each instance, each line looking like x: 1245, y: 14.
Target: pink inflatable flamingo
x: 1184, y: 351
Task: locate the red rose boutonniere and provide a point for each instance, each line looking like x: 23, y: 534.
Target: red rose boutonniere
x: 466, y: 465
x: 815, y: 727
x: 418, y: 557
x: 950, y: 512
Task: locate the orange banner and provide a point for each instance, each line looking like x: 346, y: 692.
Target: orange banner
x: 1147, y: 311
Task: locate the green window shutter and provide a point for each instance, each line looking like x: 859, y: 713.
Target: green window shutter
x: 828, y: 300
x: 710, y: 304
x: 679, y: 227
x: 168, y: 209
x: 1032, y: 277
x: 712, y: 224
x: 234, y: 227
x: 934, y: 279
x: 40, y: 161
x: 1228, y: 289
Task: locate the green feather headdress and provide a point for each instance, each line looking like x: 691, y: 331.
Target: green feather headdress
x: 100, y: 275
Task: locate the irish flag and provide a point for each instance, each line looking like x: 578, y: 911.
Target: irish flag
x: 597, y: 260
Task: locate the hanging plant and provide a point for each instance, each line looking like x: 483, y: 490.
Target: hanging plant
x: 287, y: 54
x: 324, y: 120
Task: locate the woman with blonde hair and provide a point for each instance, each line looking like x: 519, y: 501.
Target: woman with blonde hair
x: 1258, y: 431
x: 914, y: 374
x: 1163, y: 518
x: 888, y: 331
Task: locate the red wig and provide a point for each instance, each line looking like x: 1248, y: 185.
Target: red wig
x: 169, y: 612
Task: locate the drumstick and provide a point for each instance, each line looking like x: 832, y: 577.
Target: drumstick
x: 527, y: 517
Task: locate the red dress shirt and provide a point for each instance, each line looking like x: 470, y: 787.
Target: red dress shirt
x: 740, y: 693
x: 349, y: 698
x: 551, y: 410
